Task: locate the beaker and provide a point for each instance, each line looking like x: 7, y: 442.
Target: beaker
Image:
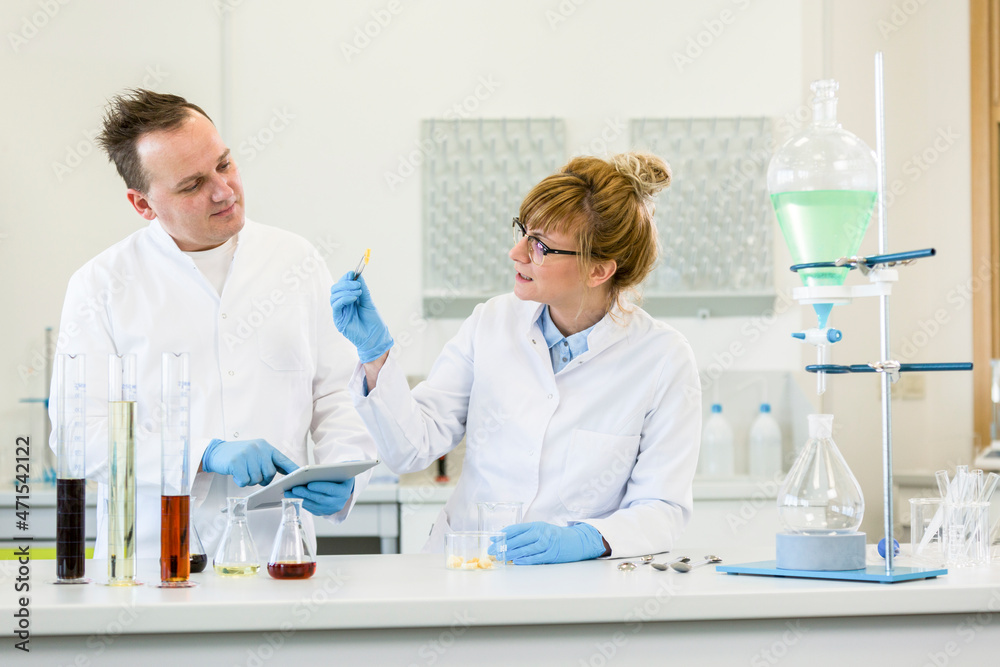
x: 237, y: 554
x: 71, y: 486
x: 196, y: 550
x: 822, y: 183
x: 175, y: 446
x: 494, y: 517
x: 966, y: 534
x: 122, y: 418
x: 820, y: 496
x: 470, y: 550
x: 291, y: 557
x: 927, y: 531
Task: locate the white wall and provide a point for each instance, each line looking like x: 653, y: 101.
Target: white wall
x: 927, y: 99
x: 347, y: 120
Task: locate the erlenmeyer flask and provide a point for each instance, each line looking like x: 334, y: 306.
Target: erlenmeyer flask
x: 822, y: 183
x: 820, y: 496
x: 237, y: 554
x: 199, y: 559
x: 291, y: 557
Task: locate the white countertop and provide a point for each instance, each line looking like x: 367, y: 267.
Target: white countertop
x: 413, y: 591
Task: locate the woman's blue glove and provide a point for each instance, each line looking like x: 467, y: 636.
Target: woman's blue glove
x: 248, y: 461
x: 355, y: 315
x: 323, y: 498
x: 539, y: 543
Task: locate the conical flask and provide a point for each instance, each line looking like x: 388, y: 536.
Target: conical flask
x: 823, y: 183
x: 196, y: 550
x: 237, y: 554
x: 291, y: 557
x: 820, y: 496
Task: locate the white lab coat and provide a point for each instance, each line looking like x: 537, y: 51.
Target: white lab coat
x: 611, y: 440
x: 265, y: 360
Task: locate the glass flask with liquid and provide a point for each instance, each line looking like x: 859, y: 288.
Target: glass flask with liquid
x: 196, y: 550
x: 291, y: 557
x: 71, y: 431
x: 822, y: 183
x: 122, y: 418
x: 237, y: 554
x: 820, y: 495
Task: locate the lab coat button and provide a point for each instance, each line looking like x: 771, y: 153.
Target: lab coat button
x: 236, y: 434
x: 232, y: 373
x: 223, y: 316
x: 550, y: 395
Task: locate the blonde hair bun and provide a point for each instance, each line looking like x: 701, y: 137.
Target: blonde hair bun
x: 647, y: 173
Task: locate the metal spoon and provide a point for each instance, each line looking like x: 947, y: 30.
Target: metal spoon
x: 685, y: 567
x: 663, y: 567
x: 627, y: 566
x: 645, y: 560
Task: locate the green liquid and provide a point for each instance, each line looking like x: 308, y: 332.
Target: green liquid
x: 823, y: 226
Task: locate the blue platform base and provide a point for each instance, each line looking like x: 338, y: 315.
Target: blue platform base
x: 873, y: 573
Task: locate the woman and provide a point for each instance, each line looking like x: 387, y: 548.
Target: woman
x: 573, y: 402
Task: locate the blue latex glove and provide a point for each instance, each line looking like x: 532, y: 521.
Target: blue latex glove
x: 248, y: 461
x: 323, y: 498
x: 355, y: 315
x: 537, y: 543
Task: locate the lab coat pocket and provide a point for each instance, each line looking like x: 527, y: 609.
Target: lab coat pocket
x: 598, y: 466
x: 283, y: 337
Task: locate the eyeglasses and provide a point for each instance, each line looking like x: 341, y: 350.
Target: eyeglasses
x: 536, y: 249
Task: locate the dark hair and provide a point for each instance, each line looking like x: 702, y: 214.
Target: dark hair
x: 131, y: 115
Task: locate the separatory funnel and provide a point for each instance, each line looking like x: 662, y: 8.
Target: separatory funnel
x: 823, y: 185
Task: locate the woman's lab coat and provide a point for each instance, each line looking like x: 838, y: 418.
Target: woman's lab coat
x: 611, y: 440
x: 265, y: 362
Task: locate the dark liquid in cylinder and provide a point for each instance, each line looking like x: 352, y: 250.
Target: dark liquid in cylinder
x: 71, y: 495
x: 282, y: 570
x: 175, y: 563
x: 198, y: 562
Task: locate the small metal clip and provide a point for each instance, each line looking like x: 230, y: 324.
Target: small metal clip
x: 890, y: 367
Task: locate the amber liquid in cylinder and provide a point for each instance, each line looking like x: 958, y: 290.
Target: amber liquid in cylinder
x: 287, y: 570
x: 175, y: 563
x: 121, y: 493
x: 71, y: 496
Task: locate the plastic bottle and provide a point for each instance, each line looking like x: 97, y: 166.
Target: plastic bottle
x: 716, y: 457
x: 765, y: 445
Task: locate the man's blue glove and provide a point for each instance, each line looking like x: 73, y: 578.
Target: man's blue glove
x: 355, y: 315
x: 248, y: 461
x: 323, y: 498
x: 538, y: 543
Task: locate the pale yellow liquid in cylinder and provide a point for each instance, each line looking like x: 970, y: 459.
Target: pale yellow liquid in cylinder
x: 121, y: 493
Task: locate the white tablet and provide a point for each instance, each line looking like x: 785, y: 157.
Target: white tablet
x: 270, y: 496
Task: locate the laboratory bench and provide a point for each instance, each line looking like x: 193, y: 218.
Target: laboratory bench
x: 411, y: 610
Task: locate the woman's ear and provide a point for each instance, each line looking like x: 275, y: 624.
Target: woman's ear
x: 601, y: 272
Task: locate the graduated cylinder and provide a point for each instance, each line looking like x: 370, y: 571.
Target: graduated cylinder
x: 121, y: 469
x: 175, y: 437
x: 70, y: 397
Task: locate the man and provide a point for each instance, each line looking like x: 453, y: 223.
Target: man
x: 249, y: 303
